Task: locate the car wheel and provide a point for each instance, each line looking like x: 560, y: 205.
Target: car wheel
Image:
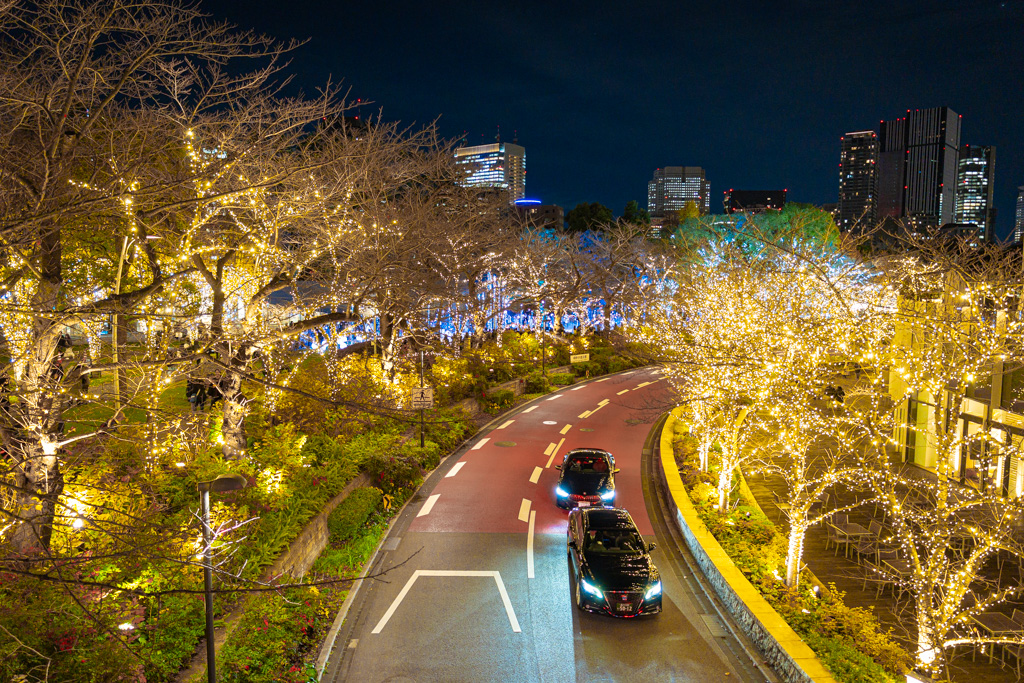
x: 577, y: 597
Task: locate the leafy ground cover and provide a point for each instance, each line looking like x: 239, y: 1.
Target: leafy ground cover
x: 848, y: 640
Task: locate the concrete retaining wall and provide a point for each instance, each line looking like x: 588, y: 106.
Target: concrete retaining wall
x: 782, y: 648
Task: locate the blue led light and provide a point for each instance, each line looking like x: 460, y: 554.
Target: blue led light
x: 653, y: 591
x: 560, y: 492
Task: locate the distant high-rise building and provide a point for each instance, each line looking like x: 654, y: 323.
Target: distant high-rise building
x: 501, y: 165
x: 858, y: 180
x: 550, y: 216
x: 975, y: 180
x: 673, y: 186
x: 917, y: 167
x: 754, y: 201
x: 1018, y: 225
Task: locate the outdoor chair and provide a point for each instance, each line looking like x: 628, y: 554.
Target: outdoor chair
x: 835, y: 537
x: 840, y: 519
x: 877, y: 571
x: 1015, y: 651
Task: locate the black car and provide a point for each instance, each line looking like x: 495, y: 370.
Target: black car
x: 587, y: 478
x: 610, y: 565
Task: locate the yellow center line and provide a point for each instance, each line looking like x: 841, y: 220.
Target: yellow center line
x: 624, y: 391
x: 565, y: 430
x: 554, y: 453
x: 583, y: 415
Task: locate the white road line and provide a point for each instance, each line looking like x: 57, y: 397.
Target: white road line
x: 506, y: 424
x: 583, y: 416
x: 429, y: 505
x: 624, y: 391
x: 555, y: 396
x: 529, y: 545
x: 603, y: 403
x: 582, y: 386
x: 535, y: 477
x: 480, y: 444
x: 554, y: 453
x: 565, y: 430
x: 530, y: 409
x: 513, y: 622
x: 601, y: 380
x: 551, y: 447
x: 455, y: 470
x: 524, y: 510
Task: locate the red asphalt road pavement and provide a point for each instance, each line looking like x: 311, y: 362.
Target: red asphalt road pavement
x: 486, y: 493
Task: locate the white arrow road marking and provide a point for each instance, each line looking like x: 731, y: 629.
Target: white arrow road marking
x: 441, y: 572
x: 582, y: 416
x: 429, y: 505
x: 529, y: 545
x: 554, y: 453
x: 530, y: 409
x: 480, y: 444
x: 524, y: 510
x: 455, y: 470
x: 624, y: 391
x: 506, y: 424
x: 535, y: 477
x: 565, y: 430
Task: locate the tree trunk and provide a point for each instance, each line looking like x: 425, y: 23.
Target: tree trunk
x: 233, y: 424
x: 724, y: 481
x: 795, y: 553
x: 927, y: 653
x: 703, y: 451
x: 40, y: 483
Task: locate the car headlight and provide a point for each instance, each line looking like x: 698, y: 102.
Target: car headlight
x: 560, y: 492
x: 653, y: 591
x: 591, y: 588
x: 608, y: 495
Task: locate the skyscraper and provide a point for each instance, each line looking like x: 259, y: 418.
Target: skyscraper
x: 917, y: 160
x: 673, y: 186
x: 858, y: 180
x: 501, y: 165
x: 975, y: 179
x: 1018, y: 225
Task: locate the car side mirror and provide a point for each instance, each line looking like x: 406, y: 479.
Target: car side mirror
x: 651, y: 546
x: 614, y: 470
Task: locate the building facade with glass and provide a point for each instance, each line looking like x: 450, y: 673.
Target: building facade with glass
x: 673, y: 186
x: 975, y: 180
x: 500, y: 166
x: 858, y: 182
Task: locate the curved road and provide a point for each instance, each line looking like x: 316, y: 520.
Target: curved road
x: 477, y: 587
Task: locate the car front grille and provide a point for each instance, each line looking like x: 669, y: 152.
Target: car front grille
x: 624, y: 602
x: 576, y: 497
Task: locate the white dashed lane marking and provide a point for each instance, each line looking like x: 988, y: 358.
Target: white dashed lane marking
x: 555, y: 396
x: 529, y: 545
x: 455, y: 470
x: 429, y: 505
x: 578, y: 388
x: 506, y: 424
x: 530, y: 409
x: 480, y: 444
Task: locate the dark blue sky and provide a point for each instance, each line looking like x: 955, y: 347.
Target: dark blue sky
x: 601, y: 93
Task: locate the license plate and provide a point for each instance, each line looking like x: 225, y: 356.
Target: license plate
x: 582, y: 504
x: 624, y: 607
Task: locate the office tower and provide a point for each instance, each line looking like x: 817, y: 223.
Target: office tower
x: 501, y: 165
x: 1018, y: 225
x: 858, y: 164
x: 673, y: 186
x: 537, y: 215
x: 754, y: 201
x: 975, y: 180
x: 917, y: 160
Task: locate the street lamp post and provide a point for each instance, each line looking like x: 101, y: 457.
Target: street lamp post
x: 223, y: 483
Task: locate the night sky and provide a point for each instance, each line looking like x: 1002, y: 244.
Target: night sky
x: 602, y: 93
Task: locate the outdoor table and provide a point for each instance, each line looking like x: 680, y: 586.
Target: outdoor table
x: 997, y: 624
x: 852, y: 531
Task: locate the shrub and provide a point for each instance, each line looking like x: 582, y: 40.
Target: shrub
x: 394, y: 474
x: 845, y: 662
x: 319, y: 449
x: 498, y: 401
x: 351, y: 514
x: 562, y: 378
x: 448, y: 427
x: 536, y: 383
x: 429, y: 456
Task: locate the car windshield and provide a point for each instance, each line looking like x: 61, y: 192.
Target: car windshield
x: 587, y: 463
x: 617, y: 541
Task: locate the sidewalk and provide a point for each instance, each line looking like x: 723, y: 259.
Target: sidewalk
x: 848, y: 576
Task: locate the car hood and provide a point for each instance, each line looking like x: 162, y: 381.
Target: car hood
x: 613, y: 572
x: 586, y: 483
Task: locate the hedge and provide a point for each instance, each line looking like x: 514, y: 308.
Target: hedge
x: 562, y: 378
x: 352, y: 513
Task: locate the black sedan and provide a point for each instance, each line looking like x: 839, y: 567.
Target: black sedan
x: 587, y: 478
x: 610, y: 565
